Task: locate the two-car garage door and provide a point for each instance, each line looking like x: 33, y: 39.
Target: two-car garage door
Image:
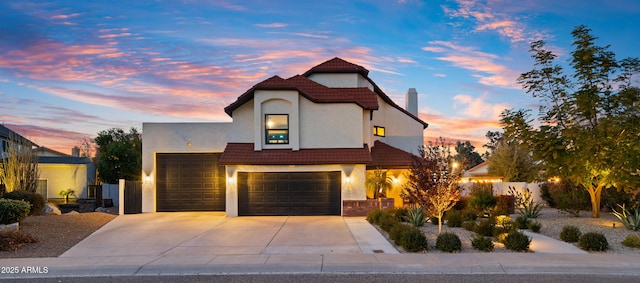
x: 289, y: 193
x: 196, y: 182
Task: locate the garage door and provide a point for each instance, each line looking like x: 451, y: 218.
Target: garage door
x: 290, y: 193
x: 190, y: 182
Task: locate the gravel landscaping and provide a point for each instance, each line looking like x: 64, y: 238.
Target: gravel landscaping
x: 57, y: 233
x: 552, y: 221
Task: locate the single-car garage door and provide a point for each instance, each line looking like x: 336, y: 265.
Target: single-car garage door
x: 289, y: 193
x: 190, y: 182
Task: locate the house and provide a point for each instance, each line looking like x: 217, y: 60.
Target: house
x: 297, y: 146
x: 480, y: 173
x: 57, y: 171
x: 60, y: 171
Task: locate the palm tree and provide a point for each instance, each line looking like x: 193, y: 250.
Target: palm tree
x: 379, y: 183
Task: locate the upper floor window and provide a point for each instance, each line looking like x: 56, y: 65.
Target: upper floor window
x: 4, y: 146
x: 277, y: 128
x: 378, y: 131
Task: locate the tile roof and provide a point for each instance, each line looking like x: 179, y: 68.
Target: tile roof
x: 243, y: 154
x: 313, y: 91
x: 337, y: 65
x: 386, y: 156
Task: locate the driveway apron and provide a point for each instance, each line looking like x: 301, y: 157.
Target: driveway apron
x: 211, y: 233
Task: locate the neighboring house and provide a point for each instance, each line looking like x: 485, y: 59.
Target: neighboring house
x: 59, y: 172
x: 7, y: 136
x: 480, y: 174
x: 296, y: 146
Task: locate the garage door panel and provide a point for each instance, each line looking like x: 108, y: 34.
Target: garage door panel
x: 190, y: 182
x: 290, y: 193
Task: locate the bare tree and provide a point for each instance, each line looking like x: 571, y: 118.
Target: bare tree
x: 19, y: 169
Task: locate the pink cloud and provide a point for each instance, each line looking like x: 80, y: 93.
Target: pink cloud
x: 56, y: 139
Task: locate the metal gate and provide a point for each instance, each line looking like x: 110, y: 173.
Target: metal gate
x: 132, y: 197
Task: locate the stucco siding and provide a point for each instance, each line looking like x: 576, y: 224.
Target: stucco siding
x: 242, y: 125
x: 401, y: 131
x: 61, y: 177
x: 330, y: 125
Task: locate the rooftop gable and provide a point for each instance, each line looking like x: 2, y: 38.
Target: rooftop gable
x: 337, y: 65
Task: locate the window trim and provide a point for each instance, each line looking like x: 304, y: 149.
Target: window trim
x: 377, y: 130
x: 266, y: 130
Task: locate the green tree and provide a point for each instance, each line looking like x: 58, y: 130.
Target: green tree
x: 513, y: 163
x: 466, y: 154
x: 433, y: 180
x: 19, y: 168
x: 119, y: 155
x: 588, y: 129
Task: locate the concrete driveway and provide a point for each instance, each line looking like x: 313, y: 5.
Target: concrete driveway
x: 207, y: 234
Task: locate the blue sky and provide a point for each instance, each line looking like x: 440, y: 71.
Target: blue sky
x: 69, y: 69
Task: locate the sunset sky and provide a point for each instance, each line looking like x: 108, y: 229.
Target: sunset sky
x: 69, y: 69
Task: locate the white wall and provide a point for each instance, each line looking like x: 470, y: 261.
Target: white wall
x: 341, y: 80
x: 401, y: 131
x: 330, y: 125
x: 242, y: 130
x: 64, y: 176
x: 275, y: 102
x: 180, y: 138
x: 353, y: 180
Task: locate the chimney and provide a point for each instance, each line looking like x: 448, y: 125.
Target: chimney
x: 75, y: 151
x: 411, y: 100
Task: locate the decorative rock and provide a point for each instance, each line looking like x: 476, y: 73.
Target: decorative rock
x: 102, y: 209
x: 51, y: 209
x: 72, y: 212
x: 10, y: 227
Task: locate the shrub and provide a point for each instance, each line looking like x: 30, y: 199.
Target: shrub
x: 485, y: 227
x: 434, y: 220
x: 546, y: 195
x: 387, y: 220
x: 569, y: 197
x: 592, y: 241
x: 632, y: 241
x: 504, y: 221
x: 396, y: 232
x: 401, y: 212
x: 503, y: 206
x: 448, y: 242
x: 481, y: 198
x: 454, y: 218
x: 500, y: 232
x: 36, y: 200
x: 630, y: 220
x: 413, y: 240
x: 521, y: 222
x: 535, y: 226
x: 12, y: 240
x: 517, y: 241
x: 461, y: 204
x: 482, y: 243
x: 570, y: 234
x: 373, y: 216
x: 469, y: 225
x: 416, y: 217
x: 469, y: 214
x: 12, y: 211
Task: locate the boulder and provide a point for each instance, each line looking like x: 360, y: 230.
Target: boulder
x: 51, y: 209
x: 10, y: 227
x: 102, y: 209
x: 72, y: 212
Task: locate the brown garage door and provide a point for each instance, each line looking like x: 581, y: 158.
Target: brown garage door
x: 190, y: 182
x: 290, y: 193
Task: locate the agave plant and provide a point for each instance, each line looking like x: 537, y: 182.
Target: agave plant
x: 416, y: 216
x: 531, y: 209
x: 630, y: 220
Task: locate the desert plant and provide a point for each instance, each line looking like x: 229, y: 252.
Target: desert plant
x: 630, y: 220
x: 593, y: 241
x: 19, y: 166
x: 387, y: 220
x: 36, y: 200
x: 413, y: 240
x: 535, y: 226
x: 12, y: 211
x: 632, y: 241
x: 531, y: 210
x: 448, y: 242
x: 469, y: 214
x: 401, y: 212
x: 434, y: 220
x: 482, y: 243
x: 396, y: 232
x: 373, y: 216
x: 517, y: 241
x: 546, y: 195
x: 469, y: 225
x: 12, y: 240
x: 520, y: 199
x: 521, y: 222
x: 481, y: 198
x: 416, y: 217
x: 66, y: 194
x: 485, y: 227
x: 504, y: 221
x: 454, y: 218
x: 570, y: 234
x: 502, y: 206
